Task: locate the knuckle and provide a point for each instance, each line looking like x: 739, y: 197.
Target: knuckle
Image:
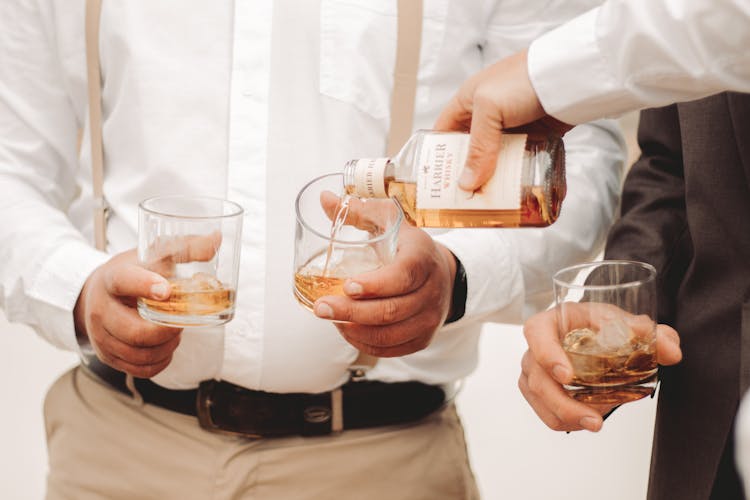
x: 522, y: 385
x: 526, y: 362
x: 483, y: 97
x: 464, y: 98
x: 96, y: 318
x: 534, y: 384
x: 113, y: 281
x: 556, y: 425
x: 528, y: 328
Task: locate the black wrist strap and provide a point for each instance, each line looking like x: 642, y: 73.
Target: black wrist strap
x: 460, y: 288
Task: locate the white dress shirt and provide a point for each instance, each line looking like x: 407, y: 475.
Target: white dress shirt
x: 632, y: 54
x: 249, y: 100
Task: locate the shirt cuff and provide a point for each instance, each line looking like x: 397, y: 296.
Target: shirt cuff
x: 493, y: 277
x: 55, y: 288
x: 571, y: 75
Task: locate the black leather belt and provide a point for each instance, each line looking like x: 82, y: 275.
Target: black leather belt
x: 225, y: 407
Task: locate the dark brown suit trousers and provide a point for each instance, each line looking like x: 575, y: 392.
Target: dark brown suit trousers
x: 686, y: 210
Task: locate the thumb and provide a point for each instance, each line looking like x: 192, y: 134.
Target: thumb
x: 668, y: 350
x: 484, y: 147
x: 331, y: 204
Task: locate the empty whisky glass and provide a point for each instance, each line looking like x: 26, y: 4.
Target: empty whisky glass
x: 194, y: 242
x: 339, y: 236
x: 605, y: 315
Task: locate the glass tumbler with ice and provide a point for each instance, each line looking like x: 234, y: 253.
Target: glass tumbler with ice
x: 194, y: 242
x: 605, y: 314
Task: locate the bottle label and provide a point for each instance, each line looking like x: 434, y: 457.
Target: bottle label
x: 442, y: 160
x: 369, y: 177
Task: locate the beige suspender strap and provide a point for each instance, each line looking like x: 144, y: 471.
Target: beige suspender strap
x: 337, y: 410
x: 409, y: 41
x: 94, y: 76
x: 93, y: 15
x: 359, y: 366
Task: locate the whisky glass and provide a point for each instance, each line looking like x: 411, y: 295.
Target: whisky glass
x: 339, y: 236
x: 194, y: 242
x: 605, y: 317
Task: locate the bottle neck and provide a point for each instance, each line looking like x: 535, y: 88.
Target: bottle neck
x: 365, y: 177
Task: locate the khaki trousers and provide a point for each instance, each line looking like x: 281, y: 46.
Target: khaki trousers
x: 104, y: 445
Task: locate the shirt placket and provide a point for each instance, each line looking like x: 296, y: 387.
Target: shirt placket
x: 246, y: 183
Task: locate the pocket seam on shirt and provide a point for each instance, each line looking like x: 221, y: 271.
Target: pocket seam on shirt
x: 344, y: 85
x: 339, y: 82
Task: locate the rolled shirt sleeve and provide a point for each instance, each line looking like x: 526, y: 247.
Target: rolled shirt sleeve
x: 48, y: 293
x: 632, y: 54
x: 45, y: 259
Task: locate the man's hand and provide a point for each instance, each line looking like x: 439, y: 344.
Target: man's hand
x: 396, y: 310
x: 497, y: 98
x: 106, y: 313
x: 545, y: 367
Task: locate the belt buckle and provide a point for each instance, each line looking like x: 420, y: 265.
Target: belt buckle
x: 204, y: 403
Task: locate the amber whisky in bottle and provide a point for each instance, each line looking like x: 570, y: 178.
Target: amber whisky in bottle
x: 526, y: 190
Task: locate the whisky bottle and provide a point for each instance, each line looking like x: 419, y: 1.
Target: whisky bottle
x: 526, y: 190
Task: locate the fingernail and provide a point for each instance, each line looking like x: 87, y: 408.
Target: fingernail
x: 324, y: 311
x: 353, y: 288
x: 160, y: 290
x: 560, y: 373
x: 467, y: 180
x: 590, y: 423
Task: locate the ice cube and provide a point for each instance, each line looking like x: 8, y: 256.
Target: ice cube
x: 352, y: 261
x: 641, y: 361
x: 581, y: 340
x: 615, y: 336
x: 200, y: 282
x: 593, y: 363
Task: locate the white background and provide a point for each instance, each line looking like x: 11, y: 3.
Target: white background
x: 515, y: 457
